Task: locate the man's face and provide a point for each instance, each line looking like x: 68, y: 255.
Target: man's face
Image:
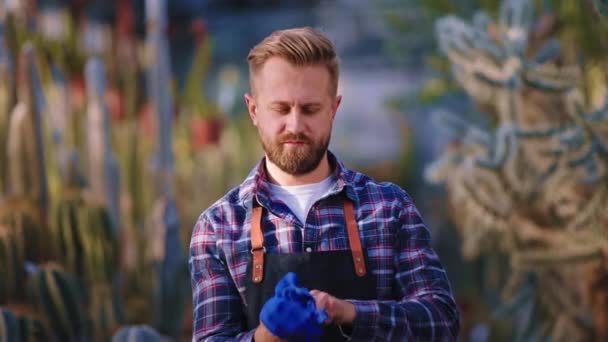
x: 293, y: 108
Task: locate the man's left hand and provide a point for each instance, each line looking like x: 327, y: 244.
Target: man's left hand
x: 339, y: 311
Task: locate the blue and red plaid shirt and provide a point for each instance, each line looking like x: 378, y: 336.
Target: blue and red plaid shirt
x: 414, y: 299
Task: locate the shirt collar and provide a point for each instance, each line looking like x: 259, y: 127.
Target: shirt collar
x: 256, y: 183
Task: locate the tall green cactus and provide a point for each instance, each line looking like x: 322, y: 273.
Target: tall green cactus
x: 12, y: 273
x: 103, y: 309
x: 25, y: 135
x: 88, y: 248
x: 31, y: 330
x: 6, y: 95
x: 68, y: 235
x: 26, y: 162
x: 99, y: 244
x: 59, y: 299
x: 9, y: 326
x: 169, y: 290
x: 103, y: 169
x: 100, y: 251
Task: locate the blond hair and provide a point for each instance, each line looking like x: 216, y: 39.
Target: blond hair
x: 302, y: 46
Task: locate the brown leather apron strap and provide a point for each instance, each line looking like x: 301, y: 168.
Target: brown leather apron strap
x: 353, y: 238
x: 258, y: 250
x: 257, y: 245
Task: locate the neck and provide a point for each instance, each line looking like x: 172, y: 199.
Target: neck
x: 278, y: 176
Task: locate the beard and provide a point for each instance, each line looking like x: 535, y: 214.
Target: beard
x: 296, y: 160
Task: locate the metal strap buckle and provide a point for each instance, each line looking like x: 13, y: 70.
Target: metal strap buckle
x: 257, y: 249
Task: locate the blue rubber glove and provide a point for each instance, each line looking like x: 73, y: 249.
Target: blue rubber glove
x: 292, y: 313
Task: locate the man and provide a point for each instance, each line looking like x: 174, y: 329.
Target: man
x: 360, y: 246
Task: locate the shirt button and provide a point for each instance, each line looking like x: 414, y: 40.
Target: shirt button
x: 308, y: 249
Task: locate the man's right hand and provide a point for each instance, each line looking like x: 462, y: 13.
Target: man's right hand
x: 262, y: 334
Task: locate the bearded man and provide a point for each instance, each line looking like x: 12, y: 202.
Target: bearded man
x: 359, y: 247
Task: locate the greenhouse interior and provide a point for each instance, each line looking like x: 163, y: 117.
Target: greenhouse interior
x: 122, y: 121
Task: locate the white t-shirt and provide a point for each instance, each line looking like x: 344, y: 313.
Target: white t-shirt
x: 300, y: 198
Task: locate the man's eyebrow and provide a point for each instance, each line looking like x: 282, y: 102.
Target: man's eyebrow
x: 305, y: 104
x: 281, y: 103
x: 311, y: 104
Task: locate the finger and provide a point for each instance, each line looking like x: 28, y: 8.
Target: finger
x: 320, y: 300
x: 316, y: 294
x: 324, y: 303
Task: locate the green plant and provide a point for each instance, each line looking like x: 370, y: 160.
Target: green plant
x: 68, y: 235
x: 59, y: 298
x: 11, y: 266
x: 9, y: 326
x: 533, y: 185
x: 193, y: 98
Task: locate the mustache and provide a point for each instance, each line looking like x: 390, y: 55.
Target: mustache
x: 297, y: 137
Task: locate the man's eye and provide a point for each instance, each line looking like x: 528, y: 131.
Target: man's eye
x: 310, y: 110
x: 281, y: 110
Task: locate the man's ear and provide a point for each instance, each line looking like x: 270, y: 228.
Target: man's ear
x: 335, y: 106
x: 252, y: 108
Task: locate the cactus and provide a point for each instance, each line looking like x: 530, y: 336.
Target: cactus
x: 58, y: 297
x: 169, y: 275
x: 31, y: 330
x: 100, y: 252
x: 89, y: 248
x: 99, y: 244
x: 17, y: 323
x: 12, y: 273
x: 158, y: 83
x: 28, y: 125
x: 538, y: 191
x: 69, y: 235
x: 172, y: 275
x: 9, y: 326
x: 103, y: 168
x: 136, y: 333
x: 602, y: 7
x: 6, y: 96
x: 103, y: 310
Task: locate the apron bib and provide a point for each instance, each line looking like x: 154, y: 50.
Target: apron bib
x: 344, y: 274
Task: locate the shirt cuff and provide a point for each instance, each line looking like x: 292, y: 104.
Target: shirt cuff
x: 366, y: 320
x: 247, y: 336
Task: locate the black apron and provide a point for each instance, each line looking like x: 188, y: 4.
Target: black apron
x: 343, y: 274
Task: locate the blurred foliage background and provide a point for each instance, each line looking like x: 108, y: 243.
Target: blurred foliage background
x: 121, y: 121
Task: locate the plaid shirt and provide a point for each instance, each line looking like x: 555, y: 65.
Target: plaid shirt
x: 414, y: 300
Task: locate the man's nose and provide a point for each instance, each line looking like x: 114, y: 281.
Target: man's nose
x: 294, y: 122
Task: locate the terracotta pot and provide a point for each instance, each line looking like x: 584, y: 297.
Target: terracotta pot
x: 115, y: 101
x: 77, y: 93
x: 205, y: 132
x: 147, y: 120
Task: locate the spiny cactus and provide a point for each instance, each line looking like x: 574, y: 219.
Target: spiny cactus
x: 104, y: 311
x: 9, y: 326
x: 23, y: 220
x: 59, y: 299
x: 69, y: 235
x: 31, y: 330
x: 169, y: 286
x: 534, y: 185
x: 602, y: 7
x: 136, y: 333
x: 103, y: 168
x: 25, y: 143
x: 6, y: 96
x: 12, y: 274
x: 99, y: 244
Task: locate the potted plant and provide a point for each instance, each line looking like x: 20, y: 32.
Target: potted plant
x: 205, y: 117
